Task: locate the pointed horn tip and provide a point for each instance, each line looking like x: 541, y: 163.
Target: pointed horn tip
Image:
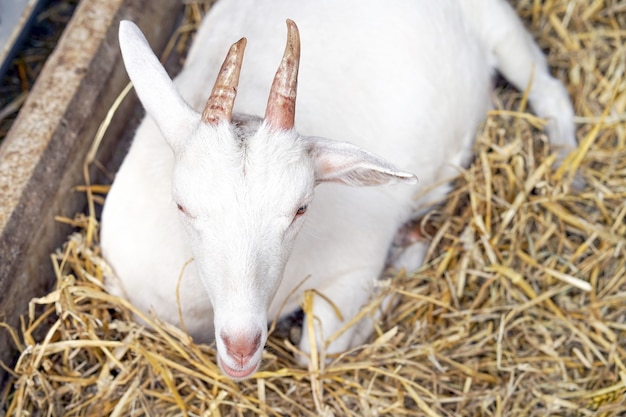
x: 292, y: 28
x: 240, y: 44
x: 293, y: 39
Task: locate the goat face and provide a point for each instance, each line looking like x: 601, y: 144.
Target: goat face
x: 242, y: 185
x: 241, y: 200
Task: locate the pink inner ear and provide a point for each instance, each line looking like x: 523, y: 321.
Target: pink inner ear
x: 350, y: 165
x: 358, y: 174
x: 323, y: 170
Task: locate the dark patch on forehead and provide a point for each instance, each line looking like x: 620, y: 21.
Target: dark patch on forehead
x: 244, y: 126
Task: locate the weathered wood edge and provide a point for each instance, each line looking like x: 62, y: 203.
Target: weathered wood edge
x: 41, y: 158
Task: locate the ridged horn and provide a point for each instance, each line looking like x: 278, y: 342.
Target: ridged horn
x: 281, y: 104
x: 219, y: 106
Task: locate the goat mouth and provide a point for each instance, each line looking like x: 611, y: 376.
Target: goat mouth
x: 237, y: 374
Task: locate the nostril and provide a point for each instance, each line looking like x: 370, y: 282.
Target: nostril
x: 241, y: 347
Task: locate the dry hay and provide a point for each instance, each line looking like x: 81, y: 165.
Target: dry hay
x: 520, y: 309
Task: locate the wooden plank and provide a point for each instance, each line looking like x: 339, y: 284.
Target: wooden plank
x: 41, y: 158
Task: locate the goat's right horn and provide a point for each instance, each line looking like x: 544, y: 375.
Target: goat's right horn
x: 219, y: 106
x: 281, y: 104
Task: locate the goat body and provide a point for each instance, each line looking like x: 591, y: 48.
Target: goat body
x: 409, y: 81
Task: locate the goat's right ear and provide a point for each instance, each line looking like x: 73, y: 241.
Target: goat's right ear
x: 154, y: 87
x: 346, y: 163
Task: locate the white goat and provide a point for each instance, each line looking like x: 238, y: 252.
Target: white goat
x: 407, y: 80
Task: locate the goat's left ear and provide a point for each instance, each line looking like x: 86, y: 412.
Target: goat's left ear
x: 346, y: 163
x: 154, y: 87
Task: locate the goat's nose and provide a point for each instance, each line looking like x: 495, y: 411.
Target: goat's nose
x: 241, y: 347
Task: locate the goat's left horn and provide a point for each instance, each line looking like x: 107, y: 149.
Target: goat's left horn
x: 281, y: 104
x: 219, y: 106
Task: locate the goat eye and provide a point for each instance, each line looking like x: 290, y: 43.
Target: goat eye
x: 181, y: 208
x: 301, y: 210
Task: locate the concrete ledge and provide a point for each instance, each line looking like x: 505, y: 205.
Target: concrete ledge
x: 41, y: 158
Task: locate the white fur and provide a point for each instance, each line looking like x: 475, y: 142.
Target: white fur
x: 407, y: 80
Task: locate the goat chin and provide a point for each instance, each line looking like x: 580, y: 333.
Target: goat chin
x: 269, y: 206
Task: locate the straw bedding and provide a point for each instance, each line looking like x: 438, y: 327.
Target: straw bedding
x: 520, y: 309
